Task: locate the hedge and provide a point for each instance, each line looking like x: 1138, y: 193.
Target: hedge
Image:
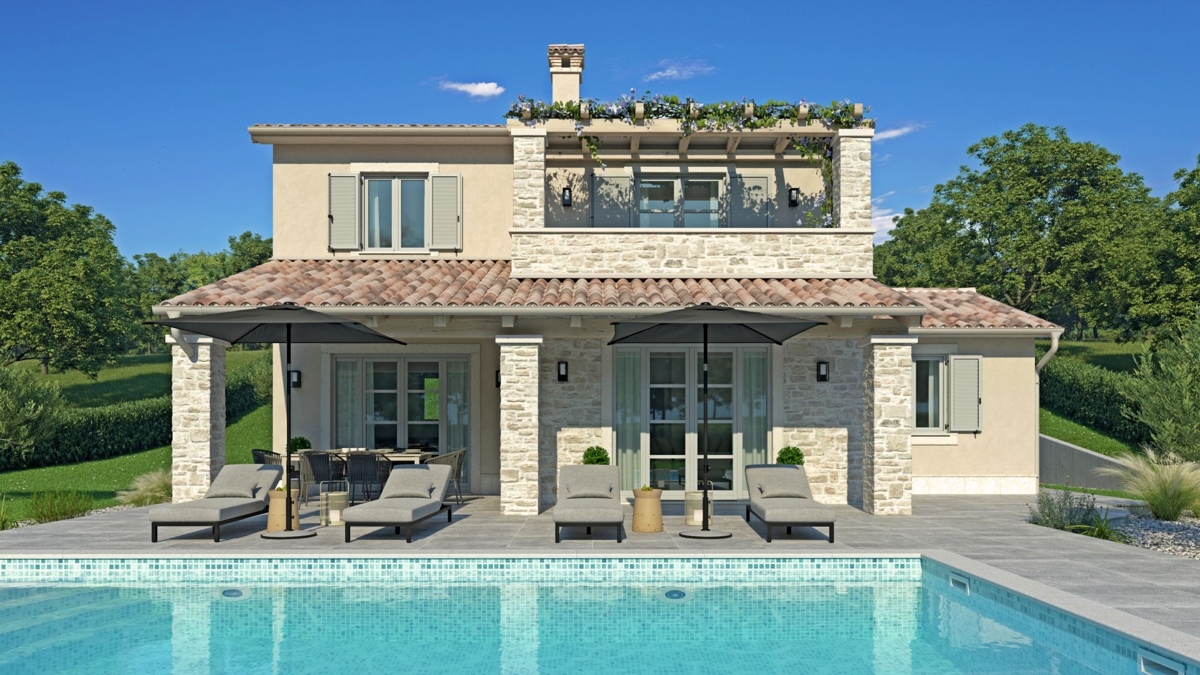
x: 83, y: 434
x: 1091, y: 396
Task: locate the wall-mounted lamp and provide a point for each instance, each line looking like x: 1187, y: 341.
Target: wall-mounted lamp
x: 793, y: 197
x: 822, y: 371
x: 295, y: 375
x: 562, y: 371
x: 566, y: 196
x: 497, y: 379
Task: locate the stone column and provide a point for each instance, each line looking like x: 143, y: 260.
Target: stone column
x: 197, y: 414
x: 852, y: 178
x: 887, y: 425
x: 529, y: 178
x: 519, y: 449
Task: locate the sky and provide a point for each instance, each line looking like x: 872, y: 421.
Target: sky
x: 140, y: 110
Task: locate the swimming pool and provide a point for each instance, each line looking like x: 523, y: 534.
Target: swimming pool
x: 906, y: 614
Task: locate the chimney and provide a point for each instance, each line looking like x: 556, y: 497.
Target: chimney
x: 566, y: 71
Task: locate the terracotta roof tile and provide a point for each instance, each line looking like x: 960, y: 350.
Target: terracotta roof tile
x: 487, y: 283
x: 967, y: 308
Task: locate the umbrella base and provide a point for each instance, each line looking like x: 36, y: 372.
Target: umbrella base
x: 289, y: 534
x: 705, y: 534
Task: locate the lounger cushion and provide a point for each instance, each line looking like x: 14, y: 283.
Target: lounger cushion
x: 205, y: 511
x: 589, y: 511
x: 792, y: 510
x: 589, y: 482
x: 778, y: 481
x: 417, y: 481
x: 244, y: 481
x: 398, y: 510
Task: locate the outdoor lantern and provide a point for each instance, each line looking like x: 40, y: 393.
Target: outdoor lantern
x: 793, y: 197
x: 822, y: 371
x: 295, y: 376
x: 332, y: 505
x: 562, y: 371
x: 497, y: 379
x: 566, y: 196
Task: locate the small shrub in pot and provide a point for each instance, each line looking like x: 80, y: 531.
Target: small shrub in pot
x: 595, y: 455
x: 790, y: 455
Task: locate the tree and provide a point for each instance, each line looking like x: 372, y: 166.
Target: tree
x: 1046, y: 224
x: 1165, y: 393
x: 65, y: 295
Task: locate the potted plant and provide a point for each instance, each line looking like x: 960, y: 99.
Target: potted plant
x: 790, y: 455
x: 647, y: 509
x: 300, y: 443
x: 595, y: 455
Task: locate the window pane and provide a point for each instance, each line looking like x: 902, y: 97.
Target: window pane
x: 382, y: 407
x: 703, y: 219
x: 656, y: 220
x: 379, y: 214
x: 667, y: 439
x: 381, y: 436
x: 928, y: 398
x: 754, y: 406
x: 423, y: 407
x: 668, y: 474
x: 381, y: 375
x: 656, y: 195
x: 720, y: 369
x: 700, y: 195
x: 423, y: 375
x: 423, y: 436
x: 628, y: 417
x: 347, y: 405
x: 412, y: 214
x: 720, y: 402
x: 668, y: 369
x: 720, y: 473
x: 720, y: 438
x: 668, y: 403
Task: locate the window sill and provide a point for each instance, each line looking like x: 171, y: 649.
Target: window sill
x: 692, y: 230
x: 402, y: 253
x: 934, y: 439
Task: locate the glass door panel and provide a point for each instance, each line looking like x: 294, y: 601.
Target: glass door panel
x: 423, y: 408
x: 383, y: 423
x: 720, y: 472
x: 348, y: 414
x: 668, y: 420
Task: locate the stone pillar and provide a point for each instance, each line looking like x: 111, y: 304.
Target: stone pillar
x: 529, y: 178
x: 852, y: 178
x: 570, y: 412
x: 519, y: 460
x: 887, y: 425
x: 197, y: 414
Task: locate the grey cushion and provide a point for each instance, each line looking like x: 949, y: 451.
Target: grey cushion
x: 589, y: 511
x: 205, y: 511
x: 589, y: 482
x: 417, y: 481
x: 397, y: 510
x: 777, y: 481
x: 792, y: 510
x: 244, y: 481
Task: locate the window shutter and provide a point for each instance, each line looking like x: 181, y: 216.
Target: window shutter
x: 965, y: 394
x: 612, y: 200
x: 344, y: 229
x: 749, y: 203
x: 446, y: 189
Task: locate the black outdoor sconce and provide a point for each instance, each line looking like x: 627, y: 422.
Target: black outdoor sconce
x: 497, y: 379
x: 793, y: 197
x: 566, y: 196
x: 562, y: 371
x: 822, y: 371
x: 295, y: 376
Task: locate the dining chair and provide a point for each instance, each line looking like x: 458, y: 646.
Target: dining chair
x: 455, y: 461
x: 316, y: 468
x: 362, y: 469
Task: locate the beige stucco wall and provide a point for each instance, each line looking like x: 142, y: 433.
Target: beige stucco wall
x: 300, y: 194
x: 1002, y: 458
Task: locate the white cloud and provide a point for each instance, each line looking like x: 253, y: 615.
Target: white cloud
x: 889, y: 134
x: 680, y: 69
x: 473, y: 89
x: 881, y: 220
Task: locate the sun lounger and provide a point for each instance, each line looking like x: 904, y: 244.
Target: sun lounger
x: 588, y: 496
x: 412, y: 493
x: 781, y: 497
x: 239, y: 491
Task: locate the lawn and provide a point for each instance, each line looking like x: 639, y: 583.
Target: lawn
x: 136, y: 377
x: 1056, y: 426
x: 104, y: 477
x: 1090, y: 491
x: 1116, y: 356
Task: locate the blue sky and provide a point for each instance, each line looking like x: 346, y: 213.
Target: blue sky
x: 141, y: 110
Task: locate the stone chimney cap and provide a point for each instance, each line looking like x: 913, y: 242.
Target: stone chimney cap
x: 565, y: 56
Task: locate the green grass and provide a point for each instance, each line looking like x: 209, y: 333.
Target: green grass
x: 1115, y: 356
x: 136, y: 377
x: 1090, y: 491
x: 1056, y: 426
x: 102, y: 478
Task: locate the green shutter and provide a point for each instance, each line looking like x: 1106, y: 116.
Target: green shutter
x: 749, y: 203
x: 965, y: 394
x: 344, y: 229
x: 447, y: 212
x: 612, y: 200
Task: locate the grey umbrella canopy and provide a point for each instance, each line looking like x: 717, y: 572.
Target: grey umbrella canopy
x: 283, y: 324
x: 706, y: 324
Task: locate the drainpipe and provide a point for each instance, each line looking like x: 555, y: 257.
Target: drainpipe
x: 1053, y: 349
x: 1037, y: 402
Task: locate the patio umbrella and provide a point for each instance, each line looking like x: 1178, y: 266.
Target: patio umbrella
x: 707, y: 323
x: 284, y: 323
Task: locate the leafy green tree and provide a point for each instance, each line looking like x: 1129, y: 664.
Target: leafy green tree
x: 247, y: 250
x: 29, y: 411
x: 65, y: 294
x: 1165, y: 393
x: 1046, y: 224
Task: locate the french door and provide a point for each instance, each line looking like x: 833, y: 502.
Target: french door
x: 659, y: 418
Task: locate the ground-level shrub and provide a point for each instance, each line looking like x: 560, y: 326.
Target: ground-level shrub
x: 47, y: 507
x: 1164, y: 392
x: 29, y: 412
x: 1092, y: 396
x: 1063, y: 510
x: 148, y: 488
x: 1167, y: 485
x: 1101, y: 528
x: 7, y: 521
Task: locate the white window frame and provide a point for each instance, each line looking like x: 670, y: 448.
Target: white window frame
x: 401, y: 392
x: 397, y: 233
x: 678, y: 178
x: 943, y: 408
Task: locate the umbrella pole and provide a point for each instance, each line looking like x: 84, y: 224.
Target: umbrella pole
x: 287, y: 425
x: 704, y: 439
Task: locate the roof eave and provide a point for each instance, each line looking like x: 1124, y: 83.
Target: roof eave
x: 271, y: 135
x: 988, y: 331
x: 500, y: 310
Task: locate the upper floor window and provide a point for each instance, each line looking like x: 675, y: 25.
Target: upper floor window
x: 679, y: 202
x: 395, y: 213
x: 691, y: 201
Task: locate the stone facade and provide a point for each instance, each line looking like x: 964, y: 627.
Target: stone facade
x: 852, y: 178
x: 529, y: 179
x: 197, y: 416
x: 823, y: 419
x: 519, y: 450
x: 793, y: 254
x: 887, y: 426
x: 569, y: 411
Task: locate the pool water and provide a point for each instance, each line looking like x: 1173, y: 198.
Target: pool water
x: 502, y: 621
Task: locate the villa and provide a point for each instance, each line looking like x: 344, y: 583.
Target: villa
x: 502, y: 254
